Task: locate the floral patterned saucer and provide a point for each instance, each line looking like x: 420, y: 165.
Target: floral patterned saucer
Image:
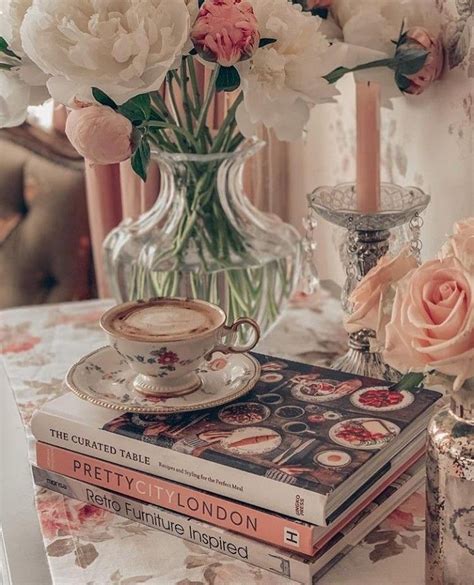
x: 104, y: 378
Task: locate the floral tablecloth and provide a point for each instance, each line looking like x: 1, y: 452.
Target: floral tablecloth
x: 88, y: 546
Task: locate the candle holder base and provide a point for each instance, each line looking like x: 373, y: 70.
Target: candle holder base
x: 360, y: 360
x: 369, y: 238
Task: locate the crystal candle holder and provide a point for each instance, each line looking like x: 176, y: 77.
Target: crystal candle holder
x: 368, y: 239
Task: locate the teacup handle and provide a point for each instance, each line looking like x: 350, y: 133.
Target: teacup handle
x: 227, y: 329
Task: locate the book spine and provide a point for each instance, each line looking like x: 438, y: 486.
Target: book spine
x: 222, y: 480
x: 269, y: 528
x: 233, y: 545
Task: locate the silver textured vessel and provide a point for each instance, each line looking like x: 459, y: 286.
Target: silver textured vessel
x: 450, y: 492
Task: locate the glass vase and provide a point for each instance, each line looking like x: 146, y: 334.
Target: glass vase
x: 204, y: 239
x: 450, y: 492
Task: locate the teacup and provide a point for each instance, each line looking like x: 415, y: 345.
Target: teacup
x: 166, y: 340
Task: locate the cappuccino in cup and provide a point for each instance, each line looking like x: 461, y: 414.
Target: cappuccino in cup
x: 165, y: 340
x: 165, y: 319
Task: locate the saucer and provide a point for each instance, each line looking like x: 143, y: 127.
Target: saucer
x: 104, y: 378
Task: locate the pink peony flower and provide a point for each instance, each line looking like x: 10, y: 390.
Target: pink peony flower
x: 420, y: 38
x: 100, y: 134
x: 225, y: 31
x: 369, y: 295
x: 432, y: 322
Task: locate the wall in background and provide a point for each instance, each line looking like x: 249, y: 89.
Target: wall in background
x: 427, y: 142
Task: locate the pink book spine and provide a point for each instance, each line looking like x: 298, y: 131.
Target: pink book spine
x: 272, y: 529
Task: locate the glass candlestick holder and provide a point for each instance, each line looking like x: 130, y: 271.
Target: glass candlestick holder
x: 367, y: 240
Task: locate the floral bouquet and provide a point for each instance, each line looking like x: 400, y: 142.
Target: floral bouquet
x: 423, y: 316
x: 129, y: 70
x: 140, y: 78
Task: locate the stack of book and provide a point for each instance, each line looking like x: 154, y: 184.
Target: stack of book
x: 289, y: 478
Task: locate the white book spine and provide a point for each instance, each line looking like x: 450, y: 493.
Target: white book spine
x: 238, y: 547
x: 222, y: 480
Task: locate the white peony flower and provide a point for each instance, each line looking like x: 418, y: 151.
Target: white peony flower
x: 371, y: 26
x: 284, y: 80
x: 376, y: 23
x: 25, y: 84
x: 123, y: 47
x: 14, y: 99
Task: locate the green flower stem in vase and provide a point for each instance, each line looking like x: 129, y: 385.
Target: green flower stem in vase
x: 202, y: 238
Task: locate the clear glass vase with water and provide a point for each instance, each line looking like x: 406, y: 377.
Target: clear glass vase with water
x: 204, y: 239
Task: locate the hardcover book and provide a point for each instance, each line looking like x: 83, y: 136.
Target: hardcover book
x: 248, y: 520
x: 302, y: 568
x: 300, y: 443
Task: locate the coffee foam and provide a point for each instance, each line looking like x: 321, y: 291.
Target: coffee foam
x: 166, y: 320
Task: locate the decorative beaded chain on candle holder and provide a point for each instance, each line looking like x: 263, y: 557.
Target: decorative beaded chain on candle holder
x: 367, y: 240
x: 310, y: 276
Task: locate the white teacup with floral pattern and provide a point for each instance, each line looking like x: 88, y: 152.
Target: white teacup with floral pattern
x: 166, y: 340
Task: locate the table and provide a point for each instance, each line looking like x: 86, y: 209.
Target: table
x: 86, y: 546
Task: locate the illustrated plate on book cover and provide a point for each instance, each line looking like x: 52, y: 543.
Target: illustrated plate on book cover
x: 301, y: 425
x: 105, y: 379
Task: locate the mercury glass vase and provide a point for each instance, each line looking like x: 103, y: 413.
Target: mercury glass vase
x: 450, y: 492
x: 204, y: 239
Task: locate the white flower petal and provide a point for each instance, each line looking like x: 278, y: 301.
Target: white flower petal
x: 124, y: 47
x: 284, y: 80
x: 14, y: 100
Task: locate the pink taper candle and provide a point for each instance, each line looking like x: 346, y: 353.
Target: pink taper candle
x: 368, y: 147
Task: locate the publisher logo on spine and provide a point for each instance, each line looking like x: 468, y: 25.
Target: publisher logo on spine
x: 291, y: 536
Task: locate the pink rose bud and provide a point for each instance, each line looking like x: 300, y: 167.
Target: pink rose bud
x: 225, y: 31
x: 420, y: 38
x: 100, y: 134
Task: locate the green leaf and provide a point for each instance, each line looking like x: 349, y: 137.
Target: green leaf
x: 6, y: 66
x: 6, y: 50
x: 137, y: 109
x: 408, y: 382
x: 141, y: 159
x: 265, y: 42
x: 103, y: 99
x: 336, y: 74
x: 228, y: 79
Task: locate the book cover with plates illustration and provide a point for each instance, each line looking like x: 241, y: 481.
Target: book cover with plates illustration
x: 299, y: 443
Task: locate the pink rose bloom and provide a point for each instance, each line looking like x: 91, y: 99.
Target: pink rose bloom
x: 225, y: 31
x: 369, y: 295
x: 420, y: 38
x: 432, y: 322
x: 461, y: 244
x: 100, y: 134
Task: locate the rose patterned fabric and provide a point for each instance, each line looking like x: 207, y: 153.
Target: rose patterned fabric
x: 88, y: 546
